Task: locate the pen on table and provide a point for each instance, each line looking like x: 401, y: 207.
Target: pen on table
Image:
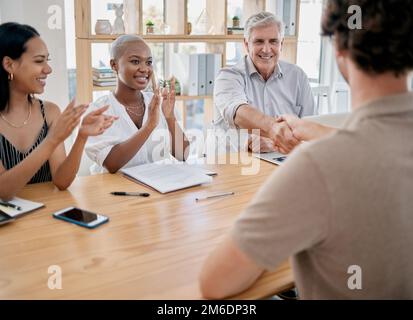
x: 133, y: 194
x: 216, y: 196
x: 10, y: 205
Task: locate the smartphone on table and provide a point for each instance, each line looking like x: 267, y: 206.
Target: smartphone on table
x: 5, y: 218
x: 81, y: 217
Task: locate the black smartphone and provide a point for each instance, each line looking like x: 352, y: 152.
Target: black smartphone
x: 81, y: 217
x: 5, y: 218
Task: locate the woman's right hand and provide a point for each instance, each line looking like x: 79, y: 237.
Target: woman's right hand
x: 154, y: 110
x: 63, y: 126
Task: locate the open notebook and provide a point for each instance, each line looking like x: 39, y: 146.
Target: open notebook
x: 167, y: 177
x: 21, y: 207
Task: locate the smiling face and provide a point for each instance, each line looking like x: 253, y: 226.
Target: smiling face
x: 31, y: 69
x: 264, y: 47
x: 134, y: 66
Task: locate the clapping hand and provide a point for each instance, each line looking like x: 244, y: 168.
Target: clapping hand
x: 168, y: 100
x: 154, y: 112
x: 67, y: 121
x: 95, y: 123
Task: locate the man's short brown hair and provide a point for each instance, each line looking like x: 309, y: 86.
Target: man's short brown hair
x: 385, y: 41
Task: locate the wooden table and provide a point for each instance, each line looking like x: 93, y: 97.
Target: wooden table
x: 152, y: 248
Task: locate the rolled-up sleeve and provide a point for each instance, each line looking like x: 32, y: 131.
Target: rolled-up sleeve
x: 98, y: 148
x: 229, y: 95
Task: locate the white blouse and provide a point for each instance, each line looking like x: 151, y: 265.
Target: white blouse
x: 156, y: 147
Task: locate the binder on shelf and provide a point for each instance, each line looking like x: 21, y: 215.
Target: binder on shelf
x: 197, y: 72
x: 202, y: 74
x: 193, y: 67
x: 286, y: 10
x: 186, y: 71
x: 214, y: 64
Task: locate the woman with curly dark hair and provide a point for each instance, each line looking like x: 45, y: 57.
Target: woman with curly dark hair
x: 341, y: 206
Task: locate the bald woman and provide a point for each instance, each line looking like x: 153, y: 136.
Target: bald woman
x: 143, y: 133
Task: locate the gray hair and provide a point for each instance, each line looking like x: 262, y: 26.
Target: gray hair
x: 263, y: 19
x: 118, y: 46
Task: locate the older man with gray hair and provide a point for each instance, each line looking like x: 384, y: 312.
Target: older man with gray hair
x: 260, y: 87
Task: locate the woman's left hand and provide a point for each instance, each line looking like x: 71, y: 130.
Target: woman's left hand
x: 168, y: 101
x: 95, y: 123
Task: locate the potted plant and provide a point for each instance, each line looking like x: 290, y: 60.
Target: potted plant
x: 235, y: 22
x: 150, y: 27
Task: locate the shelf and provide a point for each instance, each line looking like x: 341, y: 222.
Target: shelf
x: 177, y: 15
x: 178, y: 98
x: 180, y: 38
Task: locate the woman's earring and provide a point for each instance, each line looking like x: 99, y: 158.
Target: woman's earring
x: 11, y: 77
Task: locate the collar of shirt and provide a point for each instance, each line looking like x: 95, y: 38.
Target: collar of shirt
x: 251, y: 69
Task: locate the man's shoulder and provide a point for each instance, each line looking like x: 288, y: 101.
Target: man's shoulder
x: 238, y: 69
x: 336, y: 149
x: 288, y: 68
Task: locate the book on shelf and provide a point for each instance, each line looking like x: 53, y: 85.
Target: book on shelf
x: 104, y: 84
x: 111, y: 79
x: 18, y: 207
x: 104, y: 75
x: 235, y: 30
x: 102, y: 69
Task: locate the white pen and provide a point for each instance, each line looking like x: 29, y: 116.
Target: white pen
x: 216, y: 196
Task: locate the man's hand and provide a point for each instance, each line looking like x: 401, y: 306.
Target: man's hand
x: 282, y: 137
x: 305, y: 130
x: 260, y: 144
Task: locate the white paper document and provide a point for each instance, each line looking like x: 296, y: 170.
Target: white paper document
x: 168, y: 177
x: 22, y: 206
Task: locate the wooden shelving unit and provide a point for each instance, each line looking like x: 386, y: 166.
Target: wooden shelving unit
x: 177, y: 18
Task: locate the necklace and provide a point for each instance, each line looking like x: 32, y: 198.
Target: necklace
x: 15, y: 125
x: 136, y: 110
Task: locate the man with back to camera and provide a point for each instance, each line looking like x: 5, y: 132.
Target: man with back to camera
x: 260, y: 87
x: 340, y: 205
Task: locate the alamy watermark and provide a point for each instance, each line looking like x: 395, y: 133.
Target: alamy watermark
x: 55, y: 20
x: 355, y: 21
x: 354, y: 282
x: 215, y: 146
x: 55, y: 278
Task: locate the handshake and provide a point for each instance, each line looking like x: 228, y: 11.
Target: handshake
x: 286, y: 132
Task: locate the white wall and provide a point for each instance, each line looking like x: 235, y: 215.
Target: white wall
x: 35, y: 13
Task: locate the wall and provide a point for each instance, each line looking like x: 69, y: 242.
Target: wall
x: 35, y: 13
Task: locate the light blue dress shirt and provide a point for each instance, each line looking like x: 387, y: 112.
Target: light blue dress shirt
x: 287, y: 91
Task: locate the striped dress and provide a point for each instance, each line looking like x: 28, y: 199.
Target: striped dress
x: 10, y: 156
